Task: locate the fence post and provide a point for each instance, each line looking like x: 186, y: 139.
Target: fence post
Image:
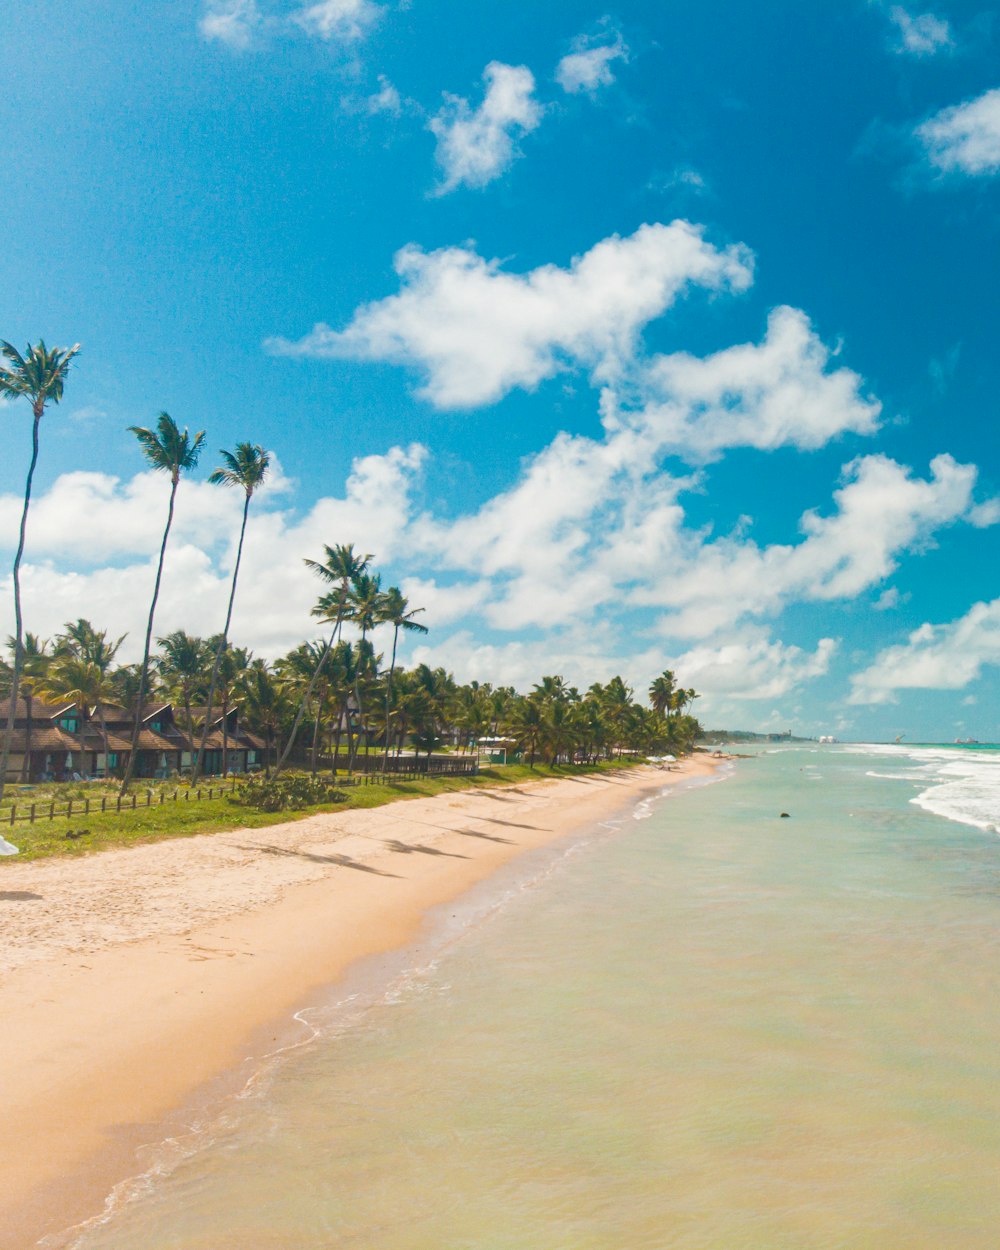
x: 31, y: 815
x: 13, y: 812
x: 104, y: 802
x: 119, y: 802
x: 52, y: 811
x: 135, y: 800
x: 163, y: 795
x: 86, y: 807
x: 69, y: 809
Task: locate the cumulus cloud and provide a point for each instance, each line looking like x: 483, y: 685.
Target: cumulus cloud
x: 965, y: 138
x: 778, y: 393
x: 342, y: 20
x: 477, y: 331
x: 934, y: 657
x: 752, y: 667
x: 121, y: 522
x: 919, y: 34
x: 588, y: 66
x: 476, y: 145
x: 232, y: 22
x: 882, y: 512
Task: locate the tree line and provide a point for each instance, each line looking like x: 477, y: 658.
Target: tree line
x: 324, y: 694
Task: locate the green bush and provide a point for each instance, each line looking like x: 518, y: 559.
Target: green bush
x: 292, y: 790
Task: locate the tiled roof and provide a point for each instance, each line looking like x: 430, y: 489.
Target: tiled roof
x: 39, y: 711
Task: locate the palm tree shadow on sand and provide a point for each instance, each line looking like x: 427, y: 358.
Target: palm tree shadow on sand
x: 408, y: 848
x: 340, y: 861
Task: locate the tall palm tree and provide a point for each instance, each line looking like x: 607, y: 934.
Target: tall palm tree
x: 38, y: 376
x: 167, y: 450
x: 245, y: 468
x: 341, y: 566
x: 394, y: 610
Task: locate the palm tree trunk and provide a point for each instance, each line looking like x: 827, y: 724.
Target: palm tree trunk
x: 308, y: 694
x: 388, y: 698
x: 143, y: 672
x: 357, y: 699
x: 15, y: 680
x: 26, y: 762
x: 195, y: 771
x: 225, y: 731
x: 315, y: 742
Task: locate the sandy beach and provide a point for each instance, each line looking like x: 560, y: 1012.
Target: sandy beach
x: 132, y: 979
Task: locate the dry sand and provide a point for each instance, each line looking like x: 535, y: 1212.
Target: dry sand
x: 131, y: 979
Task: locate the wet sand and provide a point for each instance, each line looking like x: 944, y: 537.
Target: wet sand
x: 131, y: 979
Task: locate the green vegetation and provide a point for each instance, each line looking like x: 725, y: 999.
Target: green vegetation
x: 82, y: 835
x: 324, y: 703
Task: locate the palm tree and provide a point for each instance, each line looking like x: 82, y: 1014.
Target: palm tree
x: 80, y: 639
x: 394, y: 610
x: 38, y: 376
x: 265, y: 702
x: 246, y: 468
x: 341, y: 566
x: 181, y: 666
x: 365, y: 606
x: 37, y: 658
x: 74, y: 679
x: 167, y: 450
x: 662, y: 691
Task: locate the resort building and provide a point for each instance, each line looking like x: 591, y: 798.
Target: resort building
x: 56, y: 742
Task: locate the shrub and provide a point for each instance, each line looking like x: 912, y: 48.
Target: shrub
x: 291, y: 790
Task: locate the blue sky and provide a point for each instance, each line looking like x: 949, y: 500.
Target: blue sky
x: 435, y: 256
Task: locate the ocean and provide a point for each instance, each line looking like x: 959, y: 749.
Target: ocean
x: 702, y: 1026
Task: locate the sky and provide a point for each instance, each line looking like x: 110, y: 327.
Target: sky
x: 661, y: 335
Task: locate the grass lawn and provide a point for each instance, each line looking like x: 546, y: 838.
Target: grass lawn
x: 82, y: 835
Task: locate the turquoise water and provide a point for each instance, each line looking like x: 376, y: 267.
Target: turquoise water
x: 703, y: 1027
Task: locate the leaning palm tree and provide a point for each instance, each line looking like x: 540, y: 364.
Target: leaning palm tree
x: 341, y: 566
x: 396, y: 611
x: 247, y: 469
x: 38, y: 376
x: 167, y: 450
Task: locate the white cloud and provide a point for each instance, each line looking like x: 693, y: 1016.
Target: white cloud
x: 386, y: 99
x: 475, y: 146
x: 478, y: 332
x: 883, y: 511
x: 966, y: 137
x: 588, y: 66
x: 122, y: 521
x: 934, y: 657
x: 232, y: 22
x: 778, y: 393
x: 920, y: 34
x: 341, y: 20
x: 752, y: 667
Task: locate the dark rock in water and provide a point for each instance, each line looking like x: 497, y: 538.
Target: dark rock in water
x: 784, y: 815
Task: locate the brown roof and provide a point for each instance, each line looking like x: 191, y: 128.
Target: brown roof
x: 44, y: 738
x: 39, y: 710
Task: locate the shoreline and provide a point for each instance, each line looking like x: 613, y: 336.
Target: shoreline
x: 137, y: 981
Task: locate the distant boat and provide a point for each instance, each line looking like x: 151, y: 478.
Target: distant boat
x: 828, y: 738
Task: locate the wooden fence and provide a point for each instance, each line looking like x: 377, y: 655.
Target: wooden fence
x: 367, y: 767
x: 52, y: 810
